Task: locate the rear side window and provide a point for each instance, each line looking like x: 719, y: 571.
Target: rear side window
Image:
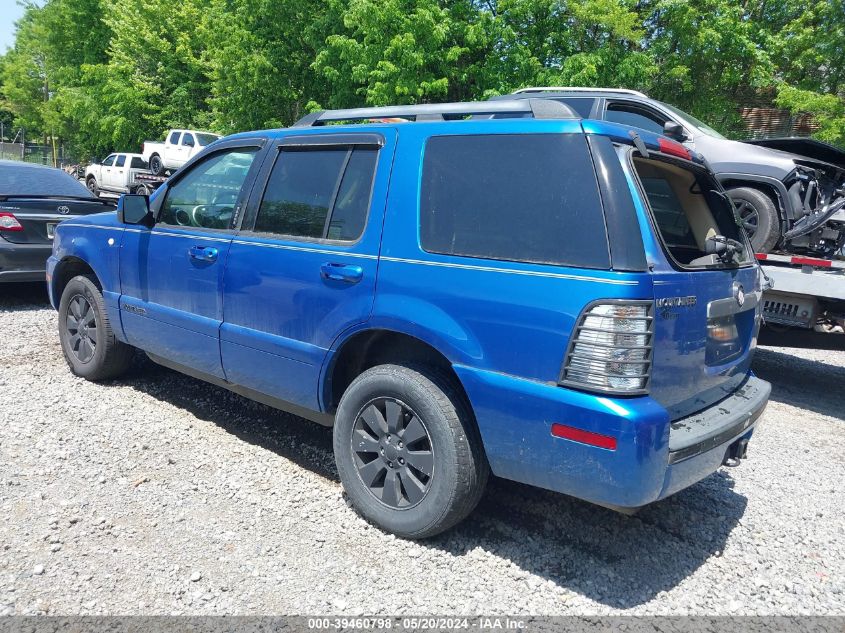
x: 138, y: 163
x: 319, y: 193
x: 581, y: 105
x: 174, y: 138
x: 528, y: 198
x: 121, y: 161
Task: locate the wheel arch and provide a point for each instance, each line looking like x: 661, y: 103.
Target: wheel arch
x: 69, y: 267
x: 771, y: 187
x: 365, y: 348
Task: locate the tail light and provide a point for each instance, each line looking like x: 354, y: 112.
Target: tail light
x: 8, y: 222
x: 610, y: 349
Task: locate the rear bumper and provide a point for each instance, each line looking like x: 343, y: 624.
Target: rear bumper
x: 652, y: 460
x: 23, y: 262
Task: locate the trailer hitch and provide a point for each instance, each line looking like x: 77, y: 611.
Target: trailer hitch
x: 736, y: 452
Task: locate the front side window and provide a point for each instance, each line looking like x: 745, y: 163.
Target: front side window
x: 174, y: 138
x: 188, y: 140
x: 522, y: 197
x: 636, y: 116
x: 320, y: 193
x: 207, y: 194
x: 121, y: 161
x: 109, y: 161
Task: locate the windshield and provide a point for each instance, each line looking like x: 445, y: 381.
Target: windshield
x: 701, y: 125
x: 206, y: 139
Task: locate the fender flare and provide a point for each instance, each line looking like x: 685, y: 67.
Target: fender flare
x: 774, y: 183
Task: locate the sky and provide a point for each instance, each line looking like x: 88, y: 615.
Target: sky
x: 10, y: 12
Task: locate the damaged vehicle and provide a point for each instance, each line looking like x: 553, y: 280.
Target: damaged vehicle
x: 789, y: 193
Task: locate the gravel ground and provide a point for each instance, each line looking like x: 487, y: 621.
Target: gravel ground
x: 159, y: 494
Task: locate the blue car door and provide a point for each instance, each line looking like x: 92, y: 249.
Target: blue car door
x: 172, y: 274
x: 303, y: 268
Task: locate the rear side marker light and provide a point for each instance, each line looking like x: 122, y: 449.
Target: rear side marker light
x: 584, y: 437
x: 673, y: 148
x: 8, y: 222
x: 610, y: 348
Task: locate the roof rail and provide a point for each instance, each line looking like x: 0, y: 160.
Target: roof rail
x: 538, y: 108
x: 580, y: 89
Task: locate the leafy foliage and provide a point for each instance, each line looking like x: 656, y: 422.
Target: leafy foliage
x: 107, y: 74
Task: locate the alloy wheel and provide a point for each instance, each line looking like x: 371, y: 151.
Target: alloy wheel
x: 393, y: 453
x: 749, y: 218
x: 81, y: 326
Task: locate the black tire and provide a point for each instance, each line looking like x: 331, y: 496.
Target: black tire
x: 143, y: 190
x: 156, y: 165
x: 97, y: 354
x: 91, y: 183
x: 758, y: 216
x: 459, y: 469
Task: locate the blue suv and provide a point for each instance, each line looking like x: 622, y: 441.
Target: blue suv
x: 566, y: 303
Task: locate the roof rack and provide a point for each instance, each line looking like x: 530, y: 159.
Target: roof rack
x: 538, y: 108
x: 580, y: 89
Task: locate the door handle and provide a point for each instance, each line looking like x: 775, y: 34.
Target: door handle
x: 341, y: 272
x: 203, y: 253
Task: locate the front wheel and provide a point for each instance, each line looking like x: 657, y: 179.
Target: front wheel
x: 91, y: 183
x: 758, y: 215
x: 407, y: 451
x: 88, y: 342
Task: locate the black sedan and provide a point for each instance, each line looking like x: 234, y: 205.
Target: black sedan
x: 33, y: 200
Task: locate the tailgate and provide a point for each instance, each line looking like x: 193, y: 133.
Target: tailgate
x: 705, y: 332
x: 706, y: 288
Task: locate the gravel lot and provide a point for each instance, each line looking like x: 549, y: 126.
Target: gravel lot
x: 161, y: 494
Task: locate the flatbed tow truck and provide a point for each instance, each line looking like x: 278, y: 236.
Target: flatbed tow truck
x: 805, y: 305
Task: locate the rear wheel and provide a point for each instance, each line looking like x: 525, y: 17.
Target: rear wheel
x: 144, y: 190
x: 156, y: 165
x: 88, y: 342
x: 91, y: 183
x: 758, y: 215
x: 407, y: 451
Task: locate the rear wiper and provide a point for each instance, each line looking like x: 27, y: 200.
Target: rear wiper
x: 723, y: 247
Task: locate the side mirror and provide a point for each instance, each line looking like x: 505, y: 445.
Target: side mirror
x: 675, y: 131
x: 134, y: 209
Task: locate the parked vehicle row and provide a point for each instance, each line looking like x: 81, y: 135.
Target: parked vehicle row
x: 559, y: 301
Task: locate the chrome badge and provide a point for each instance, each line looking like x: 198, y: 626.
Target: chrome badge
x: 64, y: 210
x: 739, y: 293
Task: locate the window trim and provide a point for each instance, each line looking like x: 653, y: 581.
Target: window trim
x: 317, y: 142
x: 243, y: 197
x: 556, y: 265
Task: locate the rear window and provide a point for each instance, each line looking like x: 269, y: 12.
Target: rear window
x: 688, y: 209
x: 138, y: 163
x: 523, y: 197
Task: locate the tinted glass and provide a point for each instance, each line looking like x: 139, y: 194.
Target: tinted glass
x: 138, y: 163
x: 174, y: 138
x: 635, y: 117
x: 18, y: 179
x: 109, y: 161
x: 206, y: 139
x: 188, y: 139
x: 530, y: 198
x: 668, y: 213
x: 207, y: 194
x: 581, y: 105
x: 121, y: 161
x: 308, y: 186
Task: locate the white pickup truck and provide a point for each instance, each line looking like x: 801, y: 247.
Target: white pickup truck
x: 177, y: 148
x: 116, y: 174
